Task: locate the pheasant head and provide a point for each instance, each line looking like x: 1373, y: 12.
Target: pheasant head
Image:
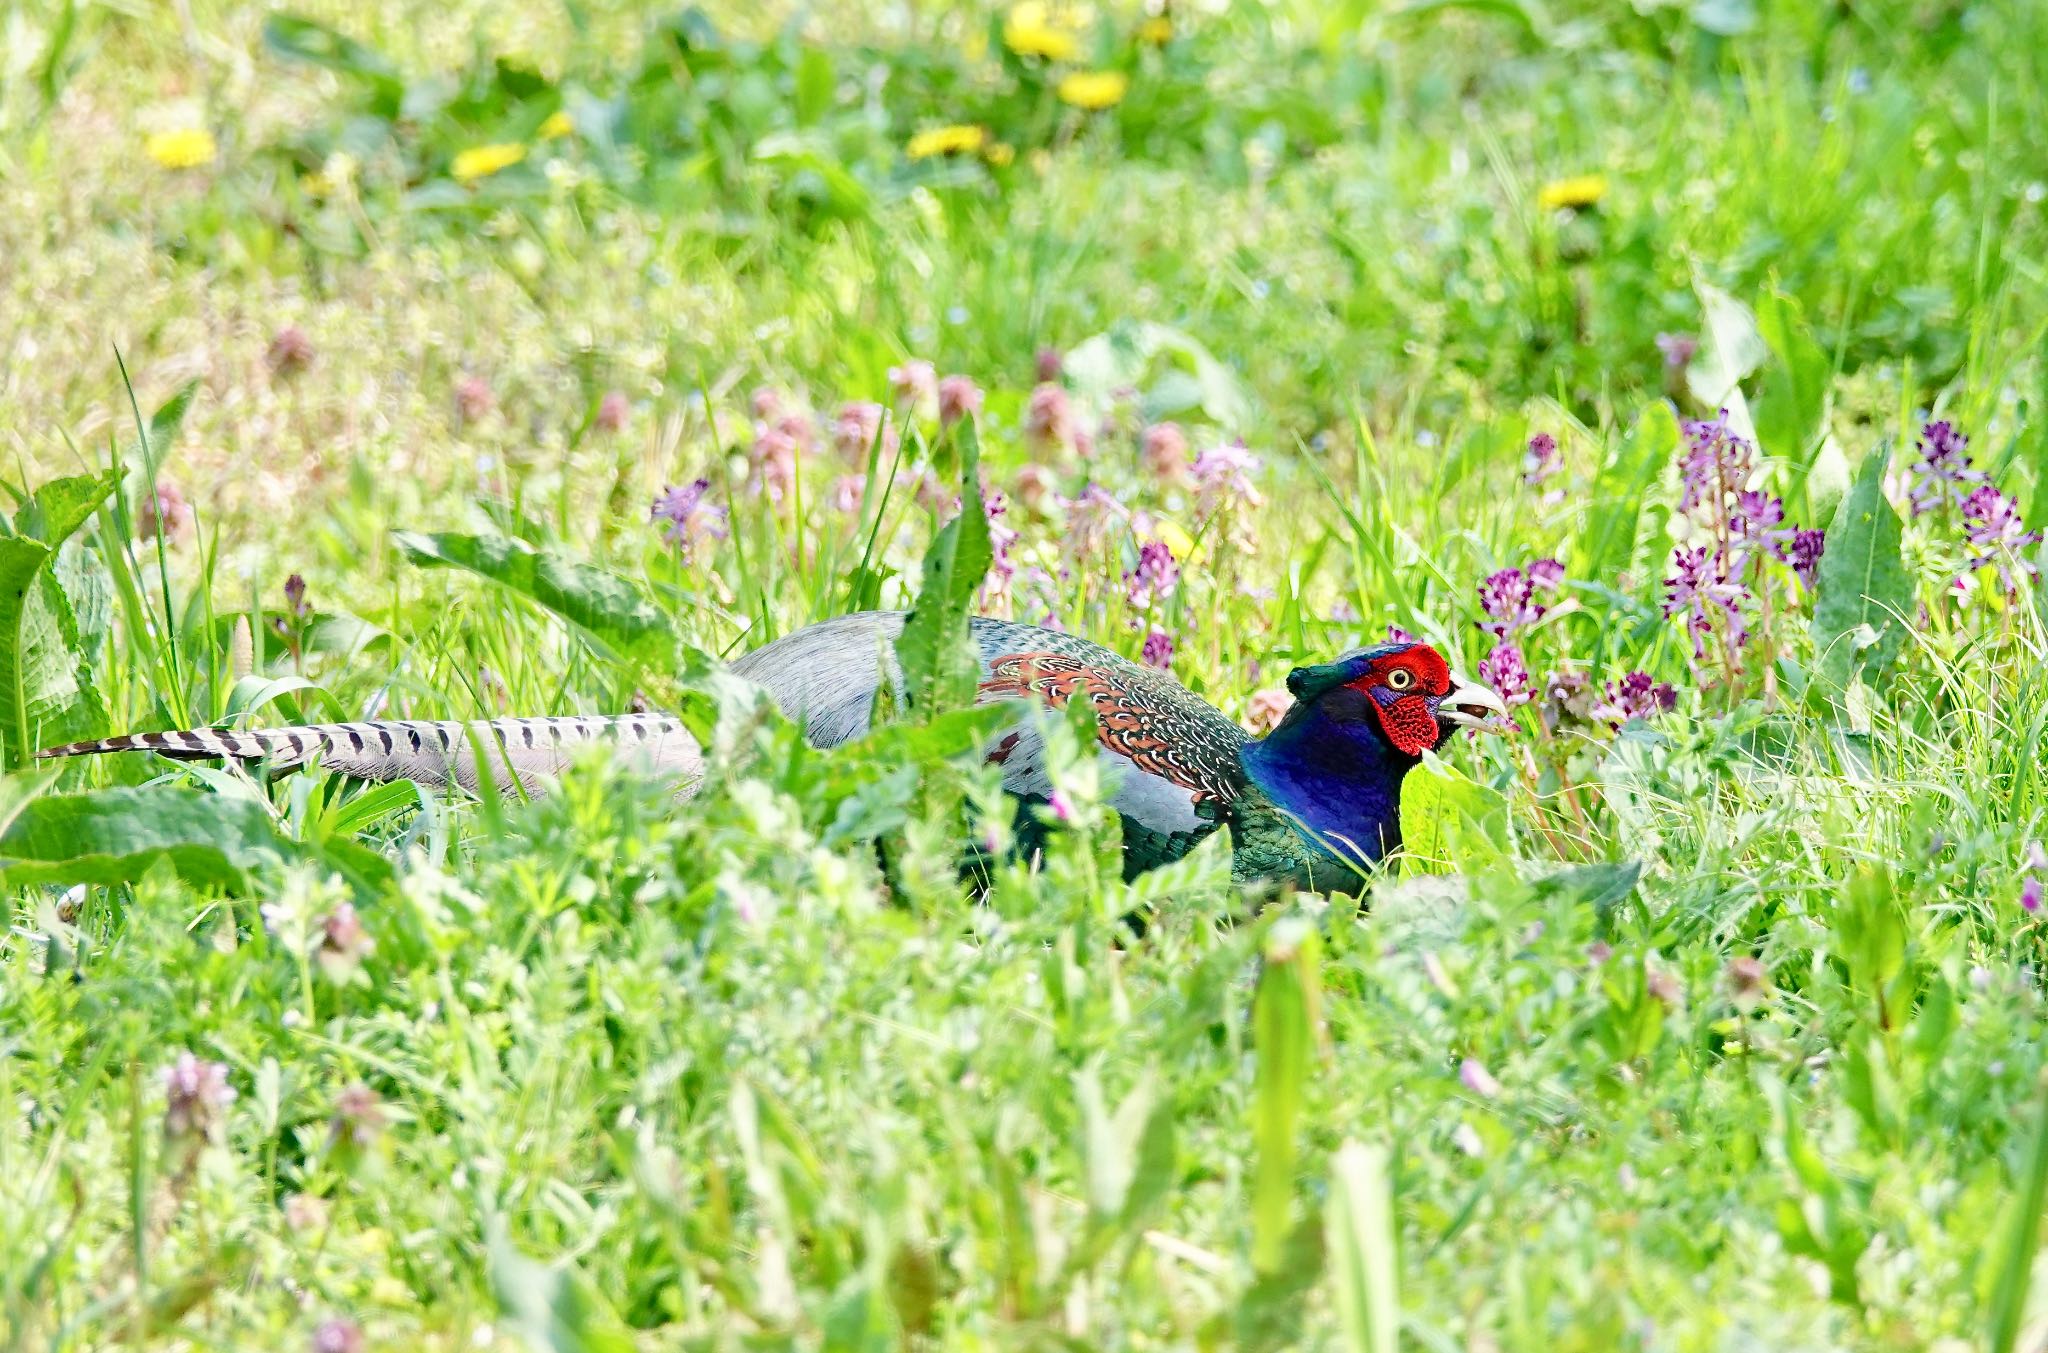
x: 1334, y: 765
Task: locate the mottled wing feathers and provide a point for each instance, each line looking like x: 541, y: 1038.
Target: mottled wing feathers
x: 438, y: 753
x: 1141, y: 715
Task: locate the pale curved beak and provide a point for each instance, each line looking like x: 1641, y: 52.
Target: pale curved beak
x: 1471, y: 705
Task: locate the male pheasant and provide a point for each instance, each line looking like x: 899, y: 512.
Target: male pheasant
x: 1312, y: 802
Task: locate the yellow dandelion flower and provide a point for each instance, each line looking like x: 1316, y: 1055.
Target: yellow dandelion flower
x: 958, y: 140
x: 1095, y: 89
x: 558, y: 125
x: 1156, y: 31
x: 1028, y: 30
x: 185, y: 148
x: 480, y: 162
x: 1578, y: 192
x: 1000, y: 154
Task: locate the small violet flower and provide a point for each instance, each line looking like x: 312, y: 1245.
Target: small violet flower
x: 1715, y: 465
x: 1478, y: 1079
x: 164, y: 512
x: 1634, y: 696
x: 1507, y: 672
x: 1154, y: 578
x: 1266, y: 708
x: 1223, y: 477
x: 689, y: 518
x: 916, y: 384
x: 196, y: 1098
x: 1165, y: 448
x: 290, y: 351
x: 1508, y: 598
x: 1541, y: 460
x: 1678, y: 350
x: 1996, y: 531
x: 1804, y: 555
x: 959, y: 398
x: 1158, y: 650
x: 473, y: 398
x: 1049, y: 418
x: 1943, y: 472
x: 856, y: 426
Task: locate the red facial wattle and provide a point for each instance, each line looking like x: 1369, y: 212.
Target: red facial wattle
x: 1399, y: 688
x: 1408, y: 724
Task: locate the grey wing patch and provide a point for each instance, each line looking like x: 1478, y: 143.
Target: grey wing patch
x: 825, y: 676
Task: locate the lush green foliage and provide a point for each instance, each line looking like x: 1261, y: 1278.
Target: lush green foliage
x: 1679, y: 1028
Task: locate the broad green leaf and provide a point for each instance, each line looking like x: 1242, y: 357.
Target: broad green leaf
x: 609, y: 610
x: 45, y: 693
x: 1731, y: 347
x: 46, y: 690
x: 57, y: 509
x: 1791, y: 402
x: 1173, y: 373
x: 1864, y: 595
x: 936, y: 647
x: 1449, y: 823
x: 549, y: 1305
x: 1285, y: 1012
x: 304, y: 40
x: 1360, y: 1240
x: 116, y: 835
x: 2010, y: 1262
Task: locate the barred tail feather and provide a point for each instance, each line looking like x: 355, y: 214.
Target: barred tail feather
x: 437, y: 753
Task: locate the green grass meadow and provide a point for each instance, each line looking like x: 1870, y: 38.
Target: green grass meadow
x: 345, y: 348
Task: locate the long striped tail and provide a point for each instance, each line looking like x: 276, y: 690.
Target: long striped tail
x: 436, y: 753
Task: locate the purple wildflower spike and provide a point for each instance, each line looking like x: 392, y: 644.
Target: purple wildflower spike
x: 1634, y: 696
x: 1804, y: 555
x: 1507, y: 672
x: 1223, y: 476
x: 1508, y: 598
x: 1715, y: 465
x: 1541, y: 460
x: 1700, y: 579
x: 689, y: 518
x: 1943, y: 470
x: 1678, y: 350
x: 1757, y: 526
x: 1154, y: 578
x: 1999, y: 535
x: 1158, y: 650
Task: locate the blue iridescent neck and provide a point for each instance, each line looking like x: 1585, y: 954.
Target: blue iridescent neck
x: 1340, y: 779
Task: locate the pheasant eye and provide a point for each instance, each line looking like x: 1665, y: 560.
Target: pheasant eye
x: 1400, y: 679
